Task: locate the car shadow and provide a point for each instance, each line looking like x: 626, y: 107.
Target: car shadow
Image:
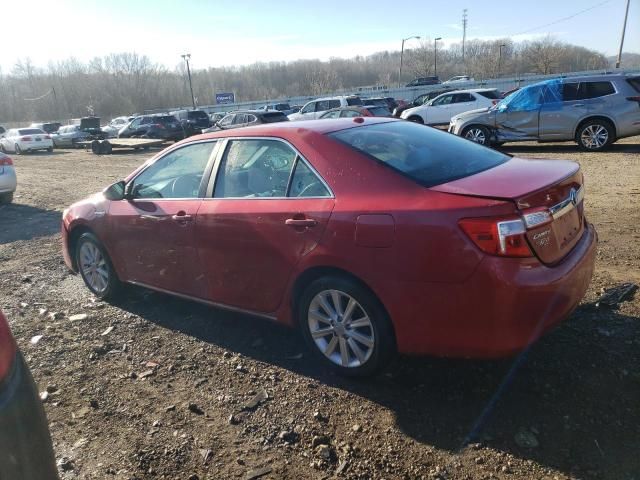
x: 25, y: 222
x: 516, y: 149
x: 554, y: 393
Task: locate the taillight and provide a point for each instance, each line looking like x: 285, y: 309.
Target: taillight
x: 634, y: 99
x: 7, y: 348
x: 5, y: 161
x: 25, y: 139
x: 504, y: 237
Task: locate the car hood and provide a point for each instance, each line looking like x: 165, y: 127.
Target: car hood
x: 476, y: 114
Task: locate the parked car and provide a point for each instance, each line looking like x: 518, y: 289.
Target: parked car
x: 420, y: 100
x: 216, y: 117
x: 164, y: 127
x: 451, y: 249
x: 115, y: 125
x: 350, y: 112
x: 192, y: 121
x: 389, y: 103
x: 3, y: 131
x: 69, y: 136
x: 246, y: 118
x: 440, y: 110
x: 594, y: 111
x: 8, y: 180
x: 50, y: 127
x: 280, y: 107
x: 23, y: 140
x: 419, y: 82
x: 315, y: 108
x: 26, y: 452
x: 459, y: 79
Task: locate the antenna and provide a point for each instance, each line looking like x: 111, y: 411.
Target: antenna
x: 464, y: 31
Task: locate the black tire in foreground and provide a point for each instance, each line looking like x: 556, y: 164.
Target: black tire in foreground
x: 595, y: 135
x: 95, y: 267
x: 346, y: 326
x: 6, y: 198
x: 478, y: 134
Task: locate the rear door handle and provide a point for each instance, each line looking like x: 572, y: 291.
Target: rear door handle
x: 578, y: 104
x: 301, y: 222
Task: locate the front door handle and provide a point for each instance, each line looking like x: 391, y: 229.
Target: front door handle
x: 301, y: 222
x: 181, y: 217
x: 578, y: 104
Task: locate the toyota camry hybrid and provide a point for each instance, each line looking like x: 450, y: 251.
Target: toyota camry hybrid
x: 373, y: 236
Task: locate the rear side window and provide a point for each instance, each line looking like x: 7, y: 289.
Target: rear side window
x: 379, y: 111
x: 426, y: 155
x: 463, y: 97
x: 490, y: 94
x: 197, y: 114
x: 570, y: 91
x: 599, y: 89
x: 273, y: 117
x: 635, y: 83
x: 351, y: 101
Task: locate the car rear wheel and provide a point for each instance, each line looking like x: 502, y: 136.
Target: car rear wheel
x: 415, y: 119
x: 345, y: 326
x: 95, y: 267
x: 18, y: 149
x: 50, y: 149
x: 595, y: 135
x: 477, y: 134
x: 6, y: 198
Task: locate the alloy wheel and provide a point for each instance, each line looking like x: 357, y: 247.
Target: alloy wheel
x: 476, y: 135
x: 341, y: 328
x: 594, y: 137
x: 94, y: 267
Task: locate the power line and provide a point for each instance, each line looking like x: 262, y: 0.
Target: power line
x: 40, y: 97
x: 562, y: 19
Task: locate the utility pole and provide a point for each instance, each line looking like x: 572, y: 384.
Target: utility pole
x: 186, y: 57
x: 500, y: 59
x: 464, y: 32
x: 401, y: 56
x: 435, y: 56
x: 624, y: 27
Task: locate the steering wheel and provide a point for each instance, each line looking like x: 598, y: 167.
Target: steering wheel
x: 185, y: 183
x: 307, y: 188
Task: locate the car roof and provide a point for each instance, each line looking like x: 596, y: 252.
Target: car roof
x: 336, y: 97
x: 472, y: 90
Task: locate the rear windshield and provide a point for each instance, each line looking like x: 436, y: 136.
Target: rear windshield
x: 379, y: 111
x: 490, y: 94
x: 635, y: 83
x: 197, y: 114
x: 273, y: 117
x: 30, y: 131
x: 426, y: 155
x: 354, y: 101
x: 282, y: 106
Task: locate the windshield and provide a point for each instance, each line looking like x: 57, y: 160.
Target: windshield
x: 197, y: 115
x: 351, y: 101
x: 272, y: 117
x: 426, y: 155
x: 30, y: 131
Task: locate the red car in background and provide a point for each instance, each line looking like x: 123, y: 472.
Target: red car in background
x: 25, y: 445
x: 371, y: 235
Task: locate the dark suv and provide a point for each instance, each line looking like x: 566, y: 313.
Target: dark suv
x: 246, y: 118
x: 419, y: 82
x: 165, y: 127
x: 193, y: 121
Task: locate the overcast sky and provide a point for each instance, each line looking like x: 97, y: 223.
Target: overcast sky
x: 233, y: 32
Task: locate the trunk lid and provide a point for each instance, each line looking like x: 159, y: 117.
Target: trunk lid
x: 540, y: 189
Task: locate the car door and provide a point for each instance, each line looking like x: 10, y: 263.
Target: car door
x: 438, y: 111
x: 462, y: 102
x: 563, y: 108
x: 267, y: 209
x: 518, y: 118
x: 227, y: 121
x: 152, y: 232
x: 308, y: 111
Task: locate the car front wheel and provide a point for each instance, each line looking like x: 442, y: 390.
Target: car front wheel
x: 477, y: 134
x: 595, y: 135
x: 95, y: 267
x: 346, y: 327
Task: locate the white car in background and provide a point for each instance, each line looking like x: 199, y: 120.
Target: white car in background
x: 459, y: 79
x: 313, y: 109
x: 8, y: 181
x: 115, y: 125
x: 21, y: 140
x: 440, y: 110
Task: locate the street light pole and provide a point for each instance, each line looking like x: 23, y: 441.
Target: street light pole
x: 186, y: 58
x: 401, y: 55
x: 500, y: 59
x: 435, y: 56
x: 624, y: 27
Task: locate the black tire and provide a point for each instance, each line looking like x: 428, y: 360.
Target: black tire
x: 6, y: 198
x: 18, y: 149
x: 383, y: 348
x: 50, y: 149
x: 416, y: 119
x: 95, y: 147
x: 595, y: 135
x: 113, y: 284
x: 107, y: 148
x: 478, y: 134
x: 2, y: 149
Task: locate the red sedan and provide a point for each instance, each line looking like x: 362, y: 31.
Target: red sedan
x: 371, y: 235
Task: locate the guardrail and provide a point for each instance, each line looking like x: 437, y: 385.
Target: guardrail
x: 406, y: 93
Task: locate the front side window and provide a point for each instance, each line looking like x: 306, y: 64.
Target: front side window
x: 331, y: 114
x: 176, y: 175
x: 228, y: 120
x: 350, y: 113
x: 426, y: 155
x: 351, y: 101
x: 309, y: 107
x: 443, y: 100
x: 254, y: 168
x: 524, y: 100
x: 463, y: 97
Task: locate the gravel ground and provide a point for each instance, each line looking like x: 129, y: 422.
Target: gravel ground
x: 157, y: 387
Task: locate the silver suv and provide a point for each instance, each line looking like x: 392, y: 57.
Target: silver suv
x: 594, y: 111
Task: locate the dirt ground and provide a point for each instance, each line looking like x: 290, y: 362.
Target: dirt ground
x: 155, y: 387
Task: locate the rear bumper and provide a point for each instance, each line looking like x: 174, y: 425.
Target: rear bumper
x: 8, y: 180
x: 26, y: 452
x: 32, y: 146
x: 506, y: 305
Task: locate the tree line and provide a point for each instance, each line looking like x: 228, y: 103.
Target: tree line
x: 126, y: 83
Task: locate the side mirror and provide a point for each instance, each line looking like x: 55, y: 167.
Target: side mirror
x: 115, y: 192
x: 502, y: 107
